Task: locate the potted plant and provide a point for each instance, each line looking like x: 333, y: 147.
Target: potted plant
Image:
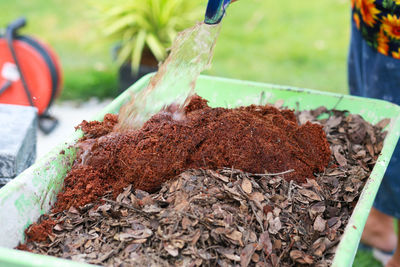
x: 144, y: 30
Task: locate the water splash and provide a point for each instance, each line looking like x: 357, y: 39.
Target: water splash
x: 191, y: 53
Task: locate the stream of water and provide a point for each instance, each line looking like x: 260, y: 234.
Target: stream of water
x: 191, y: 53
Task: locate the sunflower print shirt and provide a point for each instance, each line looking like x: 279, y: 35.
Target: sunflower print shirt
x: 379, y: 24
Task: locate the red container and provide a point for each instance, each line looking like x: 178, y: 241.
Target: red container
x: 40, y: 68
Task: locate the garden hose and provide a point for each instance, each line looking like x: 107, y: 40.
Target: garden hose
x: 10, y: 33
x: 216, y: 11
x: 5, y: 86
x: 30, y: 74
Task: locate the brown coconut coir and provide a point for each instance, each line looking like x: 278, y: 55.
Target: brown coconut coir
x: 255, y: 139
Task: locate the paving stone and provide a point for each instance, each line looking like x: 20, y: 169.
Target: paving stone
x: 18, y: 125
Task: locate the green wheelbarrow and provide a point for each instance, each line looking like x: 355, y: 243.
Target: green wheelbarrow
x: 34, y: 191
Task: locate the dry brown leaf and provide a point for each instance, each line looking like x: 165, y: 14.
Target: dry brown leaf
x: 182, y: 204
x: 173, y: 251
x: 252, y: 237
x: 185, y: 223
x: 305, y: 116
x: 332, y: 221
x: 204, y: 254
x: 247, y: 186
x: 151, y: 209
x: 257, y: 196
x: 339, y: 157
x: 265, y: 243
x: 177, y: 243
x: 310, y: 194
x: 333, y: 122
x: 139, y: 241
x: 319, y: 246
x: 219, y: 176
x: 383, y: 123
x: 316, y: 209
x: 319, y: 224
x: 195, y: 237
x: 349, y: 197
x: 58, y: 227
x: 236, y: 236
x: 229, y: 253
x: 274, y: 225
x: 300, y: 257
x: 246, y: 254
x: 370, y: 149
x: 73, y: 210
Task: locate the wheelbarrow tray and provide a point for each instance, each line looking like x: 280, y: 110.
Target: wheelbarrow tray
x: 34, y: 191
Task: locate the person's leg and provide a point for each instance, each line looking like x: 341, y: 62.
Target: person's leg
x: 395, y: 260
x: 379, y: 231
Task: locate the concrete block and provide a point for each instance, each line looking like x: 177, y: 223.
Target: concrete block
x: 18, y: 125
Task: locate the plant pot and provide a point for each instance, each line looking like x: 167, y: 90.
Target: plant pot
x: 125, y: 75
x: 126, y: 78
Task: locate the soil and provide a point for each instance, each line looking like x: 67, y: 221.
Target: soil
x: 226, y: 217
x: 254, y: 139
x: 95, y: 129
x: 39, y: 232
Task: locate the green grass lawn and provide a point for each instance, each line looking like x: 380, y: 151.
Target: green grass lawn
x: 365, y: 259
x: 298, y: 43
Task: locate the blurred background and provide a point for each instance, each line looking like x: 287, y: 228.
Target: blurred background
x: 291, y: 42
x: 298, y: 43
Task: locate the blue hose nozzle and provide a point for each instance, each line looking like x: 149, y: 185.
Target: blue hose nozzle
x: 215, y: 11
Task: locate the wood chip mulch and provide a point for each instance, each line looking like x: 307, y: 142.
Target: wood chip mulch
x: 228, y: 217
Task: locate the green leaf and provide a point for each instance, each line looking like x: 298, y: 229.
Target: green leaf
x: 115, y: 11
x: 129, y: 35
x: 121, y: 23
x: 137, y: 52
x: 158, y: 50
x: 125, y: 52
x: 137, y: 24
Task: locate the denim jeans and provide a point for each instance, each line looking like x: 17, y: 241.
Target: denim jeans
x: 374, y: 75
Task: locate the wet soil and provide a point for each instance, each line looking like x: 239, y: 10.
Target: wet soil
x: 254, y: 139
x: 39, y: 232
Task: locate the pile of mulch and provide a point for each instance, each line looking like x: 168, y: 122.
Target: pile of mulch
x: 226, y: 217
x: 255, y: 139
